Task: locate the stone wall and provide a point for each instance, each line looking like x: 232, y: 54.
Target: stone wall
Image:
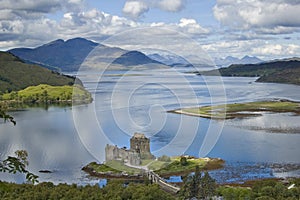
x: 139, y: 149
x: 141, y: 144
x: 122, y: 154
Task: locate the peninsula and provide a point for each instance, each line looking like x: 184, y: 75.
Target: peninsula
x: 241, y: 110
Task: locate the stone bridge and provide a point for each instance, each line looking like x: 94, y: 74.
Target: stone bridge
x: 155, y: 178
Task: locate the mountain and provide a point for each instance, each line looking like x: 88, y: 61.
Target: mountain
x: 276, y: 71
x: 168, y: 59
x: 229, y: 60
x: 134, y: 58
x: 65, y: 55
x: 15, y: 74
x: 250, y: 60
x: 69, y: 55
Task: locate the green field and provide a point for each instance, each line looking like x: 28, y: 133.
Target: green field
x: 240, y: 110
x: 102, y: 168
x: 49, y: 94
x: 113, y: 166
x: 176, y: 167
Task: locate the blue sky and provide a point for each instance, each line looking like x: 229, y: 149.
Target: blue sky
x: 196, y: 9
x: 268, y: 29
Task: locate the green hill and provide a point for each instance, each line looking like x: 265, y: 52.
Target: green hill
x: 278, y: 71
x: 16, y: 75
x: 50, y: 94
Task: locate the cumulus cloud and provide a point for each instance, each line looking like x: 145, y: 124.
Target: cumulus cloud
x: 29, y: 25
x: 191, y: 26
x: 267, y: 15
x: 135, y: 9
x: 276, y: 49
x: 171, y: 5
x: 42, y: 6
x: 266, y: 50
x: 93, y: 23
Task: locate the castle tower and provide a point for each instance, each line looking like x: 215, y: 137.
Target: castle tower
x: 141, y: 144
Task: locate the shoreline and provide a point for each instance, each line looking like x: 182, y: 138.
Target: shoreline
x: 211, y: 164
x: 243, y: 172
x: 241, y: 110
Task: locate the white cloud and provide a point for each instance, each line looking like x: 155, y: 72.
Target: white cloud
x: 33, y: 9
x: 171, y: 5
x: 266, y: 50
x: 259, y: 14
x: 41, y: 6
x: 135, y: 9
x: 276, y: 49
x: 191, y: 26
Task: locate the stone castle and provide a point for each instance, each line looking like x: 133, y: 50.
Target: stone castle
x: 139, y: 149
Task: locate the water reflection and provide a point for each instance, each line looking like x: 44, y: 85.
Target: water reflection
x: 51, y: 136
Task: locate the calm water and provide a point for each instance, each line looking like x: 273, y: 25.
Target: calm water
x: 65, y: 139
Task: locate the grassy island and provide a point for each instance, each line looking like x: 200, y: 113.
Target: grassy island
x: 175, y: 166
x: 44, y: 93
x: 240, y: 110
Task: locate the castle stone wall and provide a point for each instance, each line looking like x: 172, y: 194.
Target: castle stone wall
x: 139, y: 149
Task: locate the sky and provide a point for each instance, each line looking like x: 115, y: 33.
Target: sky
x: 268, y: 29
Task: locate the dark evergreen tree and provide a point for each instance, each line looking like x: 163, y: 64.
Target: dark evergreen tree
x: 198, y: 186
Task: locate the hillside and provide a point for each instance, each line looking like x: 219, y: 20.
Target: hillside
x: 50, y: 94
x: 69, y: 55
x: 16, y: 75
x: 278, y: 71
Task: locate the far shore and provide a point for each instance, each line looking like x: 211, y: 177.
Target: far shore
x: 241, y: 110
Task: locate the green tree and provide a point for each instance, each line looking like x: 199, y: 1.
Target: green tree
x: 198, y: 186
x: 18, y: 163
x: 207, y: 186
x: 183, y: 161
x: 6, y: 116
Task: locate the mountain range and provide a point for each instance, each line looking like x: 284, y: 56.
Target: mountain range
x: 168, y: 58
x: 229, y: 60
x: 68, y: 55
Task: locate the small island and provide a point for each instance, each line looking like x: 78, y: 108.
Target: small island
x: 242, y: 110
x: 136, y: 162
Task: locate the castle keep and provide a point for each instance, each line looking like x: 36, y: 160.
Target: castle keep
x: 139, y: 149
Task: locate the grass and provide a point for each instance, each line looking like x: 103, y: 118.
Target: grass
x: 176, y: 168
x: 47, y: 93
x: 114, y: 167
x: 118, y: 165
x: 146, y: 162
x: 102, y: 168
x: 239, y: 110
x: 156, y: 165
